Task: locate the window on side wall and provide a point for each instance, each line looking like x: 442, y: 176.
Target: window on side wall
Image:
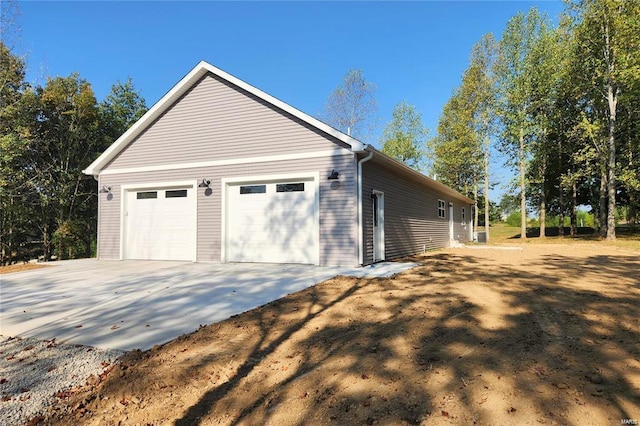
x: 464, y: 217
x: 441, y: 209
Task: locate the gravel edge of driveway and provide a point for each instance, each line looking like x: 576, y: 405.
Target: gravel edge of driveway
x: 35, y: 373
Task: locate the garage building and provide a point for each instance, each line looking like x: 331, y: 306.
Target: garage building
x: 220, y: 171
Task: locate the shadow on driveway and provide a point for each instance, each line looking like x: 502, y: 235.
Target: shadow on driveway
x: 137, y: 304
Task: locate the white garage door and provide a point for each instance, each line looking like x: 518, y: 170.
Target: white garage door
x: 272, y: 222
x: 161, y: 224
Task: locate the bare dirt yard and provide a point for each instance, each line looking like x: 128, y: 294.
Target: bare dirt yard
x: 543, y: 334
x: 20, y: 267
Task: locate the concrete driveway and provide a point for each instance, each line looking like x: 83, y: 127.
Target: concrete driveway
x: 137, y: 304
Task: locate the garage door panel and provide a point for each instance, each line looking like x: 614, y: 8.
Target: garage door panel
x: 272, y: 226
x: 161, y: 228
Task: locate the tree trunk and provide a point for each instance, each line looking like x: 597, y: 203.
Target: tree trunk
x: 486, y: 187
x: 543, y: 201
x: 7, y: 247
x: 633, y: 212
x: 543, y: 215
x: 46, y: 245
x: 611, y: 164
x: 475, y: 199
x: 602, y: 204
x: 523, y: 195
x: 560, y: 196
x: 574, y: 209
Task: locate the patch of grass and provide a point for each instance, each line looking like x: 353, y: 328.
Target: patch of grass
x: 502, y: 233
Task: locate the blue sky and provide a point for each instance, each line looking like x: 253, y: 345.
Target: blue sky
x: 295, y: 51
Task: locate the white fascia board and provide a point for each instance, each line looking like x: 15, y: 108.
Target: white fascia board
x: 187, y: 83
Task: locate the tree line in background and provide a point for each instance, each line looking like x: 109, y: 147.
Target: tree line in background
x: 562, y: 103
x: 48, y: 135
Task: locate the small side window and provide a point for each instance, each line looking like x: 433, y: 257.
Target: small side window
x: 145, y: 195
x: 464, y: 217
x: 441, y: 209
x: 253, y: 189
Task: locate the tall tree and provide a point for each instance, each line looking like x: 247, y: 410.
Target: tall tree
x: 65, y: 136
x: 14, y: 147
x: 462, y: 146
x: 482, y: 83
x: 607, y: 48
x: 352, y: 106
x: 546, y: 63
x: 455, y: 150
x: 122, y: 107
x: 514, y: 69
x: 404, y: 137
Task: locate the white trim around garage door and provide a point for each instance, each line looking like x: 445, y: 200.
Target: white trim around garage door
x: 125, y: 189
x: 312, y: 177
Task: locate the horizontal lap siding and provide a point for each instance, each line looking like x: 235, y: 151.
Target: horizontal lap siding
x: 411, y: 220
x: 338, y: 244
x: 217, y: 121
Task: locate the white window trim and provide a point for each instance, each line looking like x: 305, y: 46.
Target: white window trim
x: 463, y: 219
x: 442, y: 207
x: 312, y: 178
x: 125, y: 189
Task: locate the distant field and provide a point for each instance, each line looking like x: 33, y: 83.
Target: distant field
x: 501, y: 233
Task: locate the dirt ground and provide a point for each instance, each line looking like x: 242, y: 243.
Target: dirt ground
x: 544, y: 334
x: 20, y: 267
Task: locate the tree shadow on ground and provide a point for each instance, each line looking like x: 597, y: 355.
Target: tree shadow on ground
x: 462, y: 338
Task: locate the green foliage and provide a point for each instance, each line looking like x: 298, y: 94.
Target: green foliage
x: 48, y: 135
x: 121, y: 109
x: 70, y: 240
x: 14, y: 148
x: 514, y: 218
x: 456, y: 151
x: 509, y: 203
x: 460, y: 152
x: 605, y: 65
x: 404, y: 137
x: 518, y: 70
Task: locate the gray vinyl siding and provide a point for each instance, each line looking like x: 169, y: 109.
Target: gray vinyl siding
x: 216, y: 120
x: 337, y: 210
x: 411, y: 220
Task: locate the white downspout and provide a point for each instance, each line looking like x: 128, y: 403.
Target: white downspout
x: 360, y: 218
x: 97, y: 178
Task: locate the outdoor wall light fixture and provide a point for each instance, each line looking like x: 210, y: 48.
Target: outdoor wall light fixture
x: 333, y: 175
x: 105, y: 189
x: 204, y: 184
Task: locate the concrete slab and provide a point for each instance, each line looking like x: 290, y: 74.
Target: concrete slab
x: 137, y: 304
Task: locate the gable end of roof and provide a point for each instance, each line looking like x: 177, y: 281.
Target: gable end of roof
x: 185, y: 84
